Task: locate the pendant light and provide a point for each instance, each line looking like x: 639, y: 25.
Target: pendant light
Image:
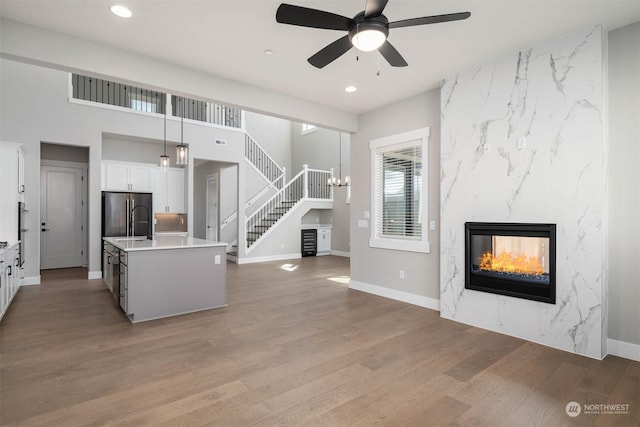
x: 182, y: 151
x: 338, y: 182
x: 164, y: 159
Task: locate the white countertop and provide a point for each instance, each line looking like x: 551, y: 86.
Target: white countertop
x: 161, y: 242
x: 314, y: 226
x: 10, y: 246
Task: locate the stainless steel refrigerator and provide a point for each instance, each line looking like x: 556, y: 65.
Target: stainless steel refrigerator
x: 126, y: 214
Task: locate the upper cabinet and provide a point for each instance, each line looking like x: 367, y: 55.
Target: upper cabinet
x: 168, y: 188
x: 169, y: 191
x: 11, y: 187
x: 124, y: 176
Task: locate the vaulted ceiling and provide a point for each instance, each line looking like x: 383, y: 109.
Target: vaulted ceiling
x: 229, y: 39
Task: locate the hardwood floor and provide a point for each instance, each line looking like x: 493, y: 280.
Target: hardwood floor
x: 295, y: 347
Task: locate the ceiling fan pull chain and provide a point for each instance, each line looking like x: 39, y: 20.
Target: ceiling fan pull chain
x: 378, y: 58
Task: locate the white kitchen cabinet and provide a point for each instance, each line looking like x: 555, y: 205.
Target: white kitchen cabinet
x: 9, y: 277
x: 324, y: 241
x: 169, y: 191
x: 9, y: 190
x: 124, y: 176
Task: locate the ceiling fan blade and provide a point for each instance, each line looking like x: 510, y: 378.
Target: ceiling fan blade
x: 331, y: 52
x: 392, y: 56
x: 305, y: 17
x: 430, y: 20
x: 374, y: 8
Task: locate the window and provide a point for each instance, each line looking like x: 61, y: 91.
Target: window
x: 398, y: 191
x: 307, y: 128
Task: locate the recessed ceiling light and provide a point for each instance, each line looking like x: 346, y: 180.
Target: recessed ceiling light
x: 350, y: 89
x: 121, y: 11
x: 268, y: 52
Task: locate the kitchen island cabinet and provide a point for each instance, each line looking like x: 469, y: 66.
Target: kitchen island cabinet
x: 170, y: 275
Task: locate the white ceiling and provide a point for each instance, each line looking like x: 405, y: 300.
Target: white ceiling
x: 228, y: 38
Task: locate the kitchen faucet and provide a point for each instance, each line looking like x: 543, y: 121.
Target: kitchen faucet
x: 134, y: 222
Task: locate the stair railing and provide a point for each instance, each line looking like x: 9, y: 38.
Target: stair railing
x: 311, y: 184
x: 259, y: 158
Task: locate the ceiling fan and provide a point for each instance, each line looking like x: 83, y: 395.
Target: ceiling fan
x: 367, y: 31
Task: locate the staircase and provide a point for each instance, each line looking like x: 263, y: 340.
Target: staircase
x: 262, y: 225
x: 308, y: 184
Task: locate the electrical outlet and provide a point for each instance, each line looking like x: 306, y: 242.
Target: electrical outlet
x: 402, y: 274
x: 486, y: 148
x: 363, y: 223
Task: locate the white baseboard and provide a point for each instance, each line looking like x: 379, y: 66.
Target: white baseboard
x: 395, y: 294
x: 623, y: 349
x: 251, y: 260
x: 95, y: 275
x: 30, y: 281
x: 341, y: 253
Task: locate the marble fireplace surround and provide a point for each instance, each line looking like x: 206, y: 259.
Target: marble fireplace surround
x: 551, y: 95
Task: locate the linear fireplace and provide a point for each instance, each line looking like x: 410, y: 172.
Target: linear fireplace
x: 513, y: 259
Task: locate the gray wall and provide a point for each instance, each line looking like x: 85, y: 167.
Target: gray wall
x: 381, y: 267
x: 128, y: 149
x: 273, y: 135
x: 321, y: 149
x: 65, y: 153
x: 624, y: 184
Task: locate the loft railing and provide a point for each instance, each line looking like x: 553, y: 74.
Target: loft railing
x: 308, y: 184
x: 117, y: 94
x: 208, y: 112
x: 150, y: 101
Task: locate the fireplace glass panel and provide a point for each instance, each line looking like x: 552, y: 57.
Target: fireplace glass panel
x: 515, y: 257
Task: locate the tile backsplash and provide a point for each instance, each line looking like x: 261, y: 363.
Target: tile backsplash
x: 171, y: 222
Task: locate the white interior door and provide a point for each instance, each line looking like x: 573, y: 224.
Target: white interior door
x: 212, y: 207
x: 60, y: 217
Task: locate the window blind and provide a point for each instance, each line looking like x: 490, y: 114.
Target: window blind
x: 398, y: 175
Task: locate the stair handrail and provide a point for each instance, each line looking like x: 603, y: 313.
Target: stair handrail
x: 283, y: 189
x: 269, y: 168
x: 310, y: 184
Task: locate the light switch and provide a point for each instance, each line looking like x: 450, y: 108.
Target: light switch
x: 217, y: 259
x: 522, y: 143
x: 432, y: 225
x: 366, y: 214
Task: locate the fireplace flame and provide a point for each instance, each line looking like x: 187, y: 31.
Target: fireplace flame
x: 507, y: 263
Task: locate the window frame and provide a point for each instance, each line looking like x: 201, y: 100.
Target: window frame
x: 400, y: 243
x: 307, y: 128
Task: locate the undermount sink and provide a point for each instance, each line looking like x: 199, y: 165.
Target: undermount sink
x: 123, y: 239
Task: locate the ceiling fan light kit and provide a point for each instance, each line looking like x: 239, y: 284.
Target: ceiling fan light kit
x: 368, y: 35
x: 367, y: 31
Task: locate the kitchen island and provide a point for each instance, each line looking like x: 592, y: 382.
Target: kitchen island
x: 169, y: 275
